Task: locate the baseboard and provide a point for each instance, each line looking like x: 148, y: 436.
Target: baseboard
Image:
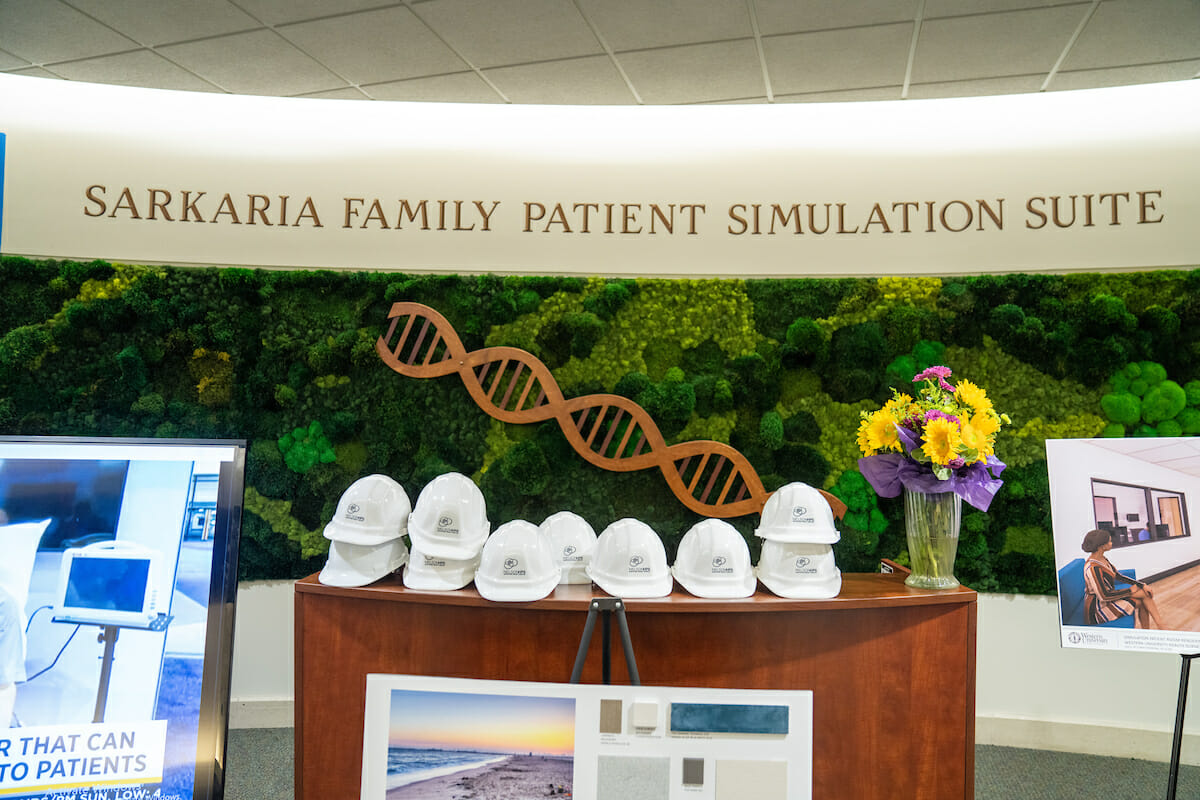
x: 1073, y: 737
x: 262, y: 714
x: 1034, y: 734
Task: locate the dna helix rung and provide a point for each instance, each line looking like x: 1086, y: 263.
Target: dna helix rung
x: 607, y: 430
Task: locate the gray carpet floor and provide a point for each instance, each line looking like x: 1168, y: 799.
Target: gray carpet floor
x: 259, y: 767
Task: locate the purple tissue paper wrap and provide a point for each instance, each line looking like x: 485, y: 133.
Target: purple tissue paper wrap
x: 889, y: 473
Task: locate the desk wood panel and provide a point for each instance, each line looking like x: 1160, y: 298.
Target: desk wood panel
x: 892, y: 669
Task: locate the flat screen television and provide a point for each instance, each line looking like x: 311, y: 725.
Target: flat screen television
x: 124, y: 609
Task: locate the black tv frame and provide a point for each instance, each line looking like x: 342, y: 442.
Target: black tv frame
x: 213, y: 721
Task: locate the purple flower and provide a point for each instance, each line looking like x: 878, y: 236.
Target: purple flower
x: 941, y: 373
x: 934, y: 413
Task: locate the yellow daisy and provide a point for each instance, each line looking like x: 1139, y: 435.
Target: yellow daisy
x: 975, y: 439
x: 942, y: 440
x: 882, y: 432
x: 968, y: 394
x: 864, y: 438
x: 985, y: 423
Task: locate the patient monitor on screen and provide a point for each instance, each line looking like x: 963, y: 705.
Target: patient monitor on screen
x: 107, y: 583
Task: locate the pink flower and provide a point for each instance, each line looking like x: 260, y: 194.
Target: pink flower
x: 939, y: 372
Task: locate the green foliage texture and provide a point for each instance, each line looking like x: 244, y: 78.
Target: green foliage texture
x: 780, y: 369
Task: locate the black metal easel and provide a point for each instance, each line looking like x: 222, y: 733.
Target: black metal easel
x: 1180, y: 709
x: 606, y: 606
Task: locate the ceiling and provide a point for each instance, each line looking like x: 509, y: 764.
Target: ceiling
x: 1179, y: 454
x: 602, y: 52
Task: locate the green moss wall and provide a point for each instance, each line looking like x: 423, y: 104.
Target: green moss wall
x: 780, y: 369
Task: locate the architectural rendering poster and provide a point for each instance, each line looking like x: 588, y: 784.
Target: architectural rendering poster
x: 437, y: 738
x: 1126, y: 546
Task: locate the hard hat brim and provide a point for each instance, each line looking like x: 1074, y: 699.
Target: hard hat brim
x: 652, y: 587
x: 822, y: 589
x: 717, y: 590
x: 351, y: 534
x: 790, y: 535
x: 439, y: 548
x: 503, y: 592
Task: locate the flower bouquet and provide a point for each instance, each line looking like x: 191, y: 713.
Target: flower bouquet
x: 939, y: 448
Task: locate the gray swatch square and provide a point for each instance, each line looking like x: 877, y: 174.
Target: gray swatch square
x: 610, y: 716
x: 693, y: 772
x: 762, y: 780
x: 632, y: 778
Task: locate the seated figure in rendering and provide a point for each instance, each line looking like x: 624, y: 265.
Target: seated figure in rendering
x: 12, y: 656
x: 1103, y: 601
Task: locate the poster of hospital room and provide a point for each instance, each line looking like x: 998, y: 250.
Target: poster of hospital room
x: 162, y: 510
x: 1126, y: 531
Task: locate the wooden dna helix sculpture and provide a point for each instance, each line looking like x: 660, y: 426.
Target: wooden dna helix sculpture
x: 609, y: 431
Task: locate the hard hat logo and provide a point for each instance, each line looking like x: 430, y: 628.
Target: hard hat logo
x: 805, y: 566
x: 801, y: 516
x: 635, y: 561
x: 719, y: 561
x: 445, y: 522
x: 509, y: 563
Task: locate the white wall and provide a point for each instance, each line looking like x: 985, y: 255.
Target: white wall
x: 1073, y: 465
x: 1030, y: 692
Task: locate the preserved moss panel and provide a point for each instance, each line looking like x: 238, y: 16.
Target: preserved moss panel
x: 779, y: 369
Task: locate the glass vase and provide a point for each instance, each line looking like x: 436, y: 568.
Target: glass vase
x: 932, y: 523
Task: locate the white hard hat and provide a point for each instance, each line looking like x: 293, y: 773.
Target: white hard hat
x: 372, y: 510
x: 797, y: 513
x: 517, y: 564
x: 630, y: 561
x: 799, y: 570
x: 450, y: 518
x: 437, y: 574
x: 574, y: 543
x: 359, y: 564
x: 713, y: 560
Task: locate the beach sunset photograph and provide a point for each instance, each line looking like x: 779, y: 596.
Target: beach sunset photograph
x: 446, y: 745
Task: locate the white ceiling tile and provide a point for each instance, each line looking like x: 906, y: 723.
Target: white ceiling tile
x: 1125, y: 76
x: 836, y: 60
x: 253, y: 63
x: 188, y: 19
x: 962, y: 8
x: 591, y: 81
x: 139, y: 68
x: 375, y: 46
x: 790, y: 16
x: 698, y: 73
x: 636, y: 24
x: 498, y: 33
x: 47, y: 31
x: 979, y: 87
x: 993, y: 45
x: 847, y: 96
x: 462, y: 87
x: 741, y: 101
x: 279, y: 12
x: 1141, y: 32
x: 349, y: 93
x: 34, y: 72
x: 9, y: 61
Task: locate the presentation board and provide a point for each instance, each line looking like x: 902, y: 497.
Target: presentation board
x: 1126, y: 545
x: 427, y: 738
x: 116, y: 616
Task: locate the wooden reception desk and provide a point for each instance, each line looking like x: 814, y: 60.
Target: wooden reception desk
x: 892, y: 669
